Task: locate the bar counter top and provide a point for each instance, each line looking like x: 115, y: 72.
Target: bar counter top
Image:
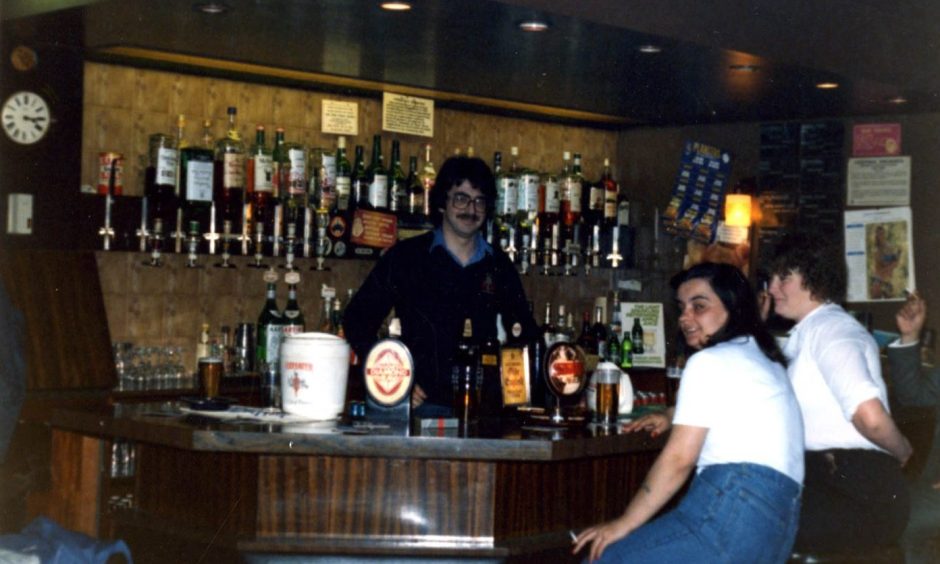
x: 165, y: 424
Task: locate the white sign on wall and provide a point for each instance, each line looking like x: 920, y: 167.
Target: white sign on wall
x: 407, y: 114
x: 340, y: 118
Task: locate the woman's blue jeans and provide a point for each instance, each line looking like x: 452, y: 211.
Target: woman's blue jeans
x: 743, y: 513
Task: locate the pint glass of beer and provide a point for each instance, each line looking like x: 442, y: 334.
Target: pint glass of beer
x: 607, y: 395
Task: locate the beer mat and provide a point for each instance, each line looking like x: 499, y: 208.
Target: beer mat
x: 207, y: 404
x: 254, y: 414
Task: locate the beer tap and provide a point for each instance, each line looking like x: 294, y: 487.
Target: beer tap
x: 615, y: 257
x: 259, y: 246
x: 107, y: 231
x: 156, y: 244
x: 226, y: 241
x: 142, y: 232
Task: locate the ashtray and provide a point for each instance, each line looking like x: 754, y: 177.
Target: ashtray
x: 207, y: 404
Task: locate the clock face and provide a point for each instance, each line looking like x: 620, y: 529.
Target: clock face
x: 25, y: 117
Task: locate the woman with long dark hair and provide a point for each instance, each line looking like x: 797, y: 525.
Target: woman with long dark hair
x: 737, y: 423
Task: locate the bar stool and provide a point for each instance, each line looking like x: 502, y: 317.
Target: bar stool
x: 892, y: 554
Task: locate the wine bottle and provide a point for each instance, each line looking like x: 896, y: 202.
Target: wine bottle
x: 427, y: 176
x: 397, y: 183
x: 343, y: 177
x: 229, y: 177
x: 259, y: 183
x: 600, y: 332
x: 360, y: 181
x: 507, y: 195
x: 377, y: 177
x: 293, y: 317
x: 414, y: 208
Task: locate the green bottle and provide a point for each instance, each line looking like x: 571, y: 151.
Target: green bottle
x: 626, y: 351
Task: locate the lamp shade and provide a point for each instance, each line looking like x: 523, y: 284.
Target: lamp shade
x: 738, y: 210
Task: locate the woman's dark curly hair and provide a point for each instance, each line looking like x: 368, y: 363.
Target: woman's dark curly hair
x: 454, y: 172
x: 736, y: 294
x: 817, y: 259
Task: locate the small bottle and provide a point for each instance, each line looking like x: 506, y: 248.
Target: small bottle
x: 464, y: 376
x: 637, y: 335
x: 293, y: 318
x: 202, y: 345
x: 327, y: 294
x: 626, y: 351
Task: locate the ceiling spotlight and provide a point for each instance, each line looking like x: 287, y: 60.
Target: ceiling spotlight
x: 827, y: 85
x: 897, y: 100
x: 649, y: 49
x: 533, y: 25
x: 211, y: 8
x: 395, y: 6
x: 745, y: 68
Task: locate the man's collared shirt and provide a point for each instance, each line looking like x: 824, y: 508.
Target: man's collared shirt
x: 481, y: 247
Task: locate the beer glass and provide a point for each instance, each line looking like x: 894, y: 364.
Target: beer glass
x: 210, y: 375
x: 607, y: 395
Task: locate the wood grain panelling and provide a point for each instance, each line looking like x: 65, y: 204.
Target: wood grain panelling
x: 124, y: 105
x: 76, y: 481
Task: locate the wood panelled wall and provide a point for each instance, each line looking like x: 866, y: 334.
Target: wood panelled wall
x: 124, y: 105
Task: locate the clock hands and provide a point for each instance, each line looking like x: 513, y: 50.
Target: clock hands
x: 36, y: 120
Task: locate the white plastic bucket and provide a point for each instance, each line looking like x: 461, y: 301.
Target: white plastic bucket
x: 314, y: 370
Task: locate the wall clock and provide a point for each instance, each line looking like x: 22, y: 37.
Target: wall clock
x: 26, y: 117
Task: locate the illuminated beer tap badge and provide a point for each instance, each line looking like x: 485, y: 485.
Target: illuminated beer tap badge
x: 389, y: 372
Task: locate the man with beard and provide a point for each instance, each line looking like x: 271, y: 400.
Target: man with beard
x: 437, y: 280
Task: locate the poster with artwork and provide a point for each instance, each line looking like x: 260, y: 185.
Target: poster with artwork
x: 650, y: 316
x: 879, y: 254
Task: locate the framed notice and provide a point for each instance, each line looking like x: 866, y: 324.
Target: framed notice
x: 876, y: 140
x: 879, y: 254
x: 654, y: 334
x: 341, y: 118
x: 879, y: 181
x: 407, y: 114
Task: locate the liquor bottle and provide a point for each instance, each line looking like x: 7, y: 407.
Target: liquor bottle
x: 547, y: 329
x: 160, y: 180
x: 294, y: 198
x: 336, y: 318
x: 600, y: 332
x: 626, y: 351
x: 491, y: 400
x: 636, y: 333
x: 322, y: 191
x: 230, y: 175
x: 293, y: 318
x: 614, y: 351
x: 414, y: 207
x: 528, y: 188
x: 551, y: 204
x: 327, y: 294
x: 597, y: 198
x: 586, y: 339
x: 360, y: 181
x: 609, y: 187
x: 571, y: 191
x: 280, y: 164
x: 538, y: 390
x: 623, y: 209
x: 377, y: 176
x: 427, y: 176
x: 267, y: 351
x: 507, y: 194
x: 465, y: 376
x: 196, y: 180
x: 343, y: 177
x: 259, y: 183
x: 397, y: 188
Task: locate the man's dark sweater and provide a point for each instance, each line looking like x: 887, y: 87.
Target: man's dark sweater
x: 432, y: 295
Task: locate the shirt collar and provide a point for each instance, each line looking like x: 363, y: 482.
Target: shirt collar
x: 482, y: 248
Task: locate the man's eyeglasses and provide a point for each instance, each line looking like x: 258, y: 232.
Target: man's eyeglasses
x: 461, y: 201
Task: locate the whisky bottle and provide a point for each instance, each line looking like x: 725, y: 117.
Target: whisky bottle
x: 343, y: 176
x: 571, y: 191
x: 597, y: 198
x: 280, y: 165
x: 360, y: 181
x: 322, y: 183
x: 507, y: 195
x: 427, y: 176
x: 293, y: 317
x: 397, y: 183
x: 230, y: 175
x: 196, y: 180
x: 550, y: 205
x: 294, y: 199
x: 609, y: 187
x: 414, y: 208
x: 160, y: 180
x: 259, y: 181
x: 528, y: 186
x: 377, y: 177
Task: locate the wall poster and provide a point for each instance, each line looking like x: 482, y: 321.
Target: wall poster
x: 879, y: 254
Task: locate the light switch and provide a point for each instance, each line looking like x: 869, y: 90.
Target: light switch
x: 20, y: 214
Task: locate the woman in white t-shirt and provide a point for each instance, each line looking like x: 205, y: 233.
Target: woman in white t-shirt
x: 736, y: 422
x: 855, y: 495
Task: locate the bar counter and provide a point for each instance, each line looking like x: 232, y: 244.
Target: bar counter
x: 216, y: 491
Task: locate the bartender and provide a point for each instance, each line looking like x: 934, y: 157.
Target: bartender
x: 437, y: 280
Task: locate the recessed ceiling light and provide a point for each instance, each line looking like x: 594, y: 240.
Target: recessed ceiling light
x: 649, y: 49
x: 211, y: 7
x: 827, y: 85
x: 533, y: 25
x: 395, y: 6
x: 745, y: 68
x: 897, y: 100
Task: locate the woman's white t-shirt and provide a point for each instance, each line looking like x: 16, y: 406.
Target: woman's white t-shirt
x: 747, y: 404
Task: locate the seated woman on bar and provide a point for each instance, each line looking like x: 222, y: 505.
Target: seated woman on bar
x: 854, y: 495
x: 736, y: 422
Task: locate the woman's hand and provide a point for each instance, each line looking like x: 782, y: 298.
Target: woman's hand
x: 600, y: 536
x: 655, y: 423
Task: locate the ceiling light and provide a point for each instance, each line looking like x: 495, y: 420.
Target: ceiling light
x: 897, y: 100
x: 533, y: 25
x: 395, y: 6
x: 745, y: 68
x: 649, y: 49
x: 211, y: 8
x: 827, y: 85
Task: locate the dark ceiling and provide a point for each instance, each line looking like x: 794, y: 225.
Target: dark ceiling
x: 588, y: 60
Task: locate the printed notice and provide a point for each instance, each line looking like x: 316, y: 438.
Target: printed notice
x: 879, y: 254
x: 654, y: 334
x: 341, y: 118
x: 879, y: 181
x: 407, y: 114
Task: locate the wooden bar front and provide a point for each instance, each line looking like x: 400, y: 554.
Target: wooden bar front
x: 215, y: 491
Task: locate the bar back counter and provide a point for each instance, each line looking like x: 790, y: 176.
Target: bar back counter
x: 210, y: 490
